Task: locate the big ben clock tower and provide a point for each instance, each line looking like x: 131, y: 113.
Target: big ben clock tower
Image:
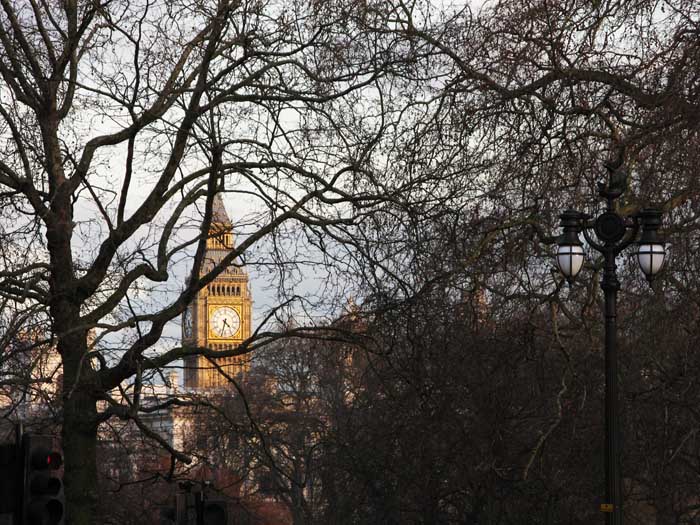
x: 220, y: 315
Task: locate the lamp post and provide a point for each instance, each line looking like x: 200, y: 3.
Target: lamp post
x: 613, y: 233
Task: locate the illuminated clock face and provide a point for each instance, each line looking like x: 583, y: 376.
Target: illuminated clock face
x: 187, y: 323
x: 224, y: 322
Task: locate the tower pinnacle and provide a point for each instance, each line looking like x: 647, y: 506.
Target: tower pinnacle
x: 219, y: 215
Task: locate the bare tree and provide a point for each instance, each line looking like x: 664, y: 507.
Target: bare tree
x: 120, y: 123
x: 437, y: 145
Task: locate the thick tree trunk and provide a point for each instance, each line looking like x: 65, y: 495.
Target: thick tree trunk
x: 79, y: 449
x: 79, y: 432
x: 297, y: 494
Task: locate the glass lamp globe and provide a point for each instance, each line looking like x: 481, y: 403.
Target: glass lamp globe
x: 651, y: 251
x: 570, y: 259
x: 651, y: 258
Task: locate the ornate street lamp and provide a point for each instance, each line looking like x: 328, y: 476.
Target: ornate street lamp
x: 613, y: 233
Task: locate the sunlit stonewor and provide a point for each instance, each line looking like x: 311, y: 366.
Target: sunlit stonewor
x: 220, y: 316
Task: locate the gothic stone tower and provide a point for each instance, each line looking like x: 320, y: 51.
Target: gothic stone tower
x: 220, y: 316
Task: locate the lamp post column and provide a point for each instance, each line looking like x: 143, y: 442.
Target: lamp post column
x: 613, y: 485
x: 614, y: 233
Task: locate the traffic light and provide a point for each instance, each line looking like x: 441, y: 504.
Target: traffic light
x: 44, y: 501
x: 10, y: 479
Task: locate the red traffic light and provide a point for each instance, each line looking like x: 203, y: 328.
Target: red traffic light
x: 54, y: 460
x: 43, y: 458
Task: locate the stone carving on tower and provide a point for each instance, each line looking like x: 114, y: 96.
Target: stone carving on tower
x: 219, y: 318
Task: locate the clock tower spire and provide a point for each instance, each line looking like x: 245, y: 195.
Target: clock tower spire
x: 219, y: 318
